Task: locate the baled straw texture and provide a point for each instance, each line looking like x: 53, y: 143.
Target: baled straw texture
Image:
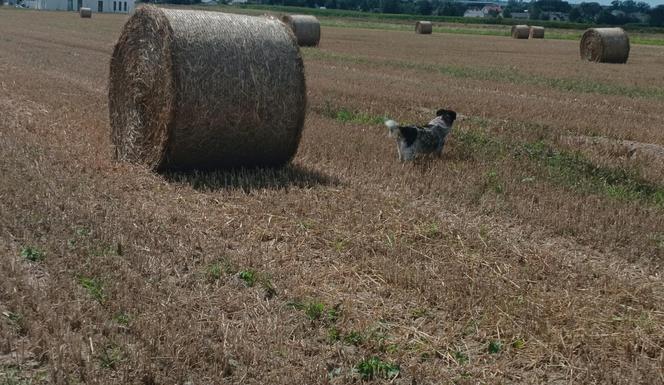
x: 306, y: 28
x: 520, y: 31
x: 536, y: 32
x: 605, y: 45
x: 423, y: 27
x: 85, y: 13
x: 203, y: 90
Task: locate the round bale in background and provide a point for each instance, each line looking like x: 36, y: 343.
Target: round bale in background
x: 306, y: 28
x: 536, y: 32
x: 85, y: 13
x: 423, y: 27
x: 605, y: 45
x: 205, y: 90
x: 520, y: 31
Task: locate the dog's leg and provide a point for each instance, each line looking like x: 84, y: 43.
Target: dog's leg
x: 439, y: 152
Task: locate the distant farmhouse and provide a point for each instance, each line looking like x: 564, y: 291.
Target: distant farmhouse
x: 101, y: 6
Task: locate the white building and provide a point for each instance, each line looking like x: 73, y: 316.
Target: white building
x: 487, y: 11
x: 106, y: 6
x: 473, y: 13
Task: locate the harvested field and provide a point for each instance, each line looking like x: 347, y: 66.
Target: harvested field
x: 513, y: 259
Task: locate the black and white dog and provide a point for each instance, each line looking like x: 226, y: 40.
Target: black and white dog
x: 416, y: 140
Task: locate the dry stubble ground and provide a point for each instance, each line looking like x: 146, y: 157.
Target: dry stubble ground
x: 514, y: 259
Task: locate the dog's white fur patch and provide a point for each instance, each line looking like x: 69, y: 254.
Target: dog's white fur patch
x: 392, y: 126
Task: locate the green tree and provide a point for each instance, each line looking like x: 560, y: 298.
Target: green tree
x: 534, y: 13
x: 657, y: 16
x: 551, y: 5
x: 423, y: 7
x: 606, y: 17
x: 589, y: 11
x: 643, y: 7
x: 390, y: 6
x: 575, y: 15
x: 451, y: 8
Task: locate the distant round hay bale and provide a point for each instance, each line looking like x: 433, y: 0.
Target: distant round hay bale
x: 423, y: 27
x: 520, y: 31
x: 205, y: 90
x: 605, y: 45
x: 306, y: 28
x: 536, y: 32
x: 85, y: 13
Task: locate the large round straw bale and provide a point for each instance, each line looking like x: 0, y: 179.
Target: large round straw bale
x: 605, y: 45
x: 85, y: 13
x: 536, y: 32
x: 305, y: 27
x: 201, y: 90
x: 520, y: 31
x: 423, y: 27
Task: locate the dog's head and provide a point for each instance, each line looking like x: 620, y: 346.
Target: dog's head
x: 448, y: 116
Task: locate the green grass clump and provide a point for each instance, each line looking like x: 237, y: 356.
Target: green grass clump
x: 32, y: 254
x: 374, y: 367
x: 333, y: 335
x: 492, y: 182
x: 346, y: 115
x: 94, y: 287
x: 11, y: 374
x: 122, y: 319
x: 317, y: 311
x: 574, y: 170
x: 478, y: 145
x: 519, y: 343
x: 83, y: 231
x: 353, y: 338
x: 432, y: 230
x: 460, y: 357
x: 419, y: 312
x: 314, y: 310
x: 249, y: 277
x: 495, y: 347
x: 17, y: 321
x: 214, y: 271
x: 111, y: 356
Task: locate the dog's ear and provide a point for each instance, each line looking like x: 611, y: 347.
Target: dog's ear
x: 448, y: 116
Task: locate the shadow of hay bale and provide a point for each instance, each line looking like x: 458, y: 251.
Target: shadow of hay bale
x: 249, y: 179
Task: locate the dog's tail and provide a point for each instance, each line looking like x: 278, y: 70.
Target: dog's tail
x: 393, y: 128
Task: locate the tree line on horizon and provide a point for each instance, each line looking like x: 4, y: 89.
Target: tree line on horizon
x: 618, y: 13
